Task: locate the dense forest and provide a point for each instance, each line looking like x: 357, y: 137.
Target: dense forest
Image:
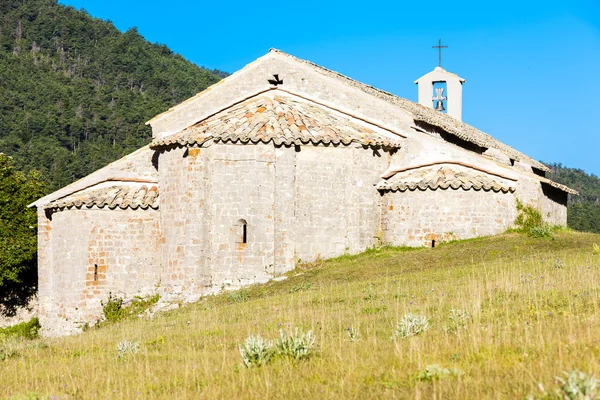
x: 75, y: 91
x: 583, y: 210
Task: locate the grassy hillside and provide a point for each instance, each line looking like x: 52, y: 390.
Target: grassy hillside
x: 583, y: 210
x: 529, y: 309
x: 75, y: 92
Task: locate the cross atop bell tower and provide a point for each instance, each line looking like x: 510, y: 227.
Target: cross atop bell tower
x: 453, y: 83
x: 439, y: 47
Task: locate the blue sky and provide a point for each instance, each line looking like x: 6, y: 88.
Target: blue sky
x: 532, y: 67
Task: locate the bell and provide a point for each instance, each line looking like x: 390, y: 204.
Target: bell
x: 439, y: 106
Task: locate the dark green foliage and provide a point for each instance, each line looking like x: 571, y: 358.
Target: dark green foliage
x: 25, y: 330
x: 113, y: 308
x: 18, y: 233
x: 239, y: 296
x: 584, y: 210
x: 529, y: 221
x: 75, y: 92
x: 139, y: 304
x: 528, y: 218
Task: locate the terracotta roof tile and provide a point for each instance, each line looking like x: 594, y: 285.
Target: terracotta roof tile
x: 122, y: 196
x: 281, y: 120
x: 443, y: 178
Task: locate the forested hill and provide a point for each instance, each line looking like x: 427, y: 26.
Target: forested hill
x: 75, y: 91
x: 583, y: 210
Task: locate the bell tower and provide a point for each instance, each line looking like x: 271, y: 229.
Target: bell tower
x: 450, y: 95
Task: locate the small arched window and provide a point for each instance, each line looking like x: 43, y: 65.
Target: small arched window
x: 242, y: 231
x: 95, y: 272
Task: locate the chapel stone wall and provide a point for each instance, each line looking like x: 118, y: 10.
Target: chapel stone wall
x: 416, y: 218
x: 242, y: 214
x: 553, y: 205
x: 95, y: 252
x: 549, y: 201
x: 184, y: 179
x: 337, y: 205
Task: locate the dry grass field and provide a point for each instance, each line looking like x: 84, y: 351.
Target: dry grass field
x: 507, y: 315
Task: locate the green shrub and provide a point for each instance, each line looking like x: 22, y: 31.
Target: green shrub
x: 25, y: 330
x: 458, y: 320
x: 239, y: 296
x: 256, y: 351
x: 297, y: 345
x: 576, y: 385
x: 126, y: 347
x: 113, y: 308
x: 527, y: 217
x: 541, y: 231
x: 529, y: 221
x: 140, y: 304
x: 411, y: 325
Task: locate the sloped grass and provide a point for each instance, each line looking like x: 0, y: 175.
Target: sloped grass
x: 532, y: 305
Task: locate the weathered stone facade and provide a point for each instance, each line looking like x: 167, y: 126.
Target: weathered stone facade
x: 250, y: 176
x: 95, y: 252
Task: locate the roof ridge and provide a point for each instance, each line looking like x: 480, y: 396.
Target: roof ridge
x: 425, y: 114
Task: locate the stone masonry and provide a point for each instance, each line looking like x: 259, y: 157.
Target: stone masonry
x: 254, y: 174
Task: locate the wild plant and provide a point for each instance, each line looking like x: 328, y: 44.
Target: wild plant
x: 353, y: 334
x: 458, y: 320
x: 113, y: 308
x: 541, y: 231
x: 434, y: 372
x: 411, y: 325
x: 25, y: 330
x: 297, y: 345
x: 370, y: 293
x: 558, y: 264
x: 9, y: 348
x: 576, y: 385
x: 529, y: 221
x: 126, y: 347
x: 256, y: 351
x: 301, y: 287
x: 239, y: 296
x: 595, y: 249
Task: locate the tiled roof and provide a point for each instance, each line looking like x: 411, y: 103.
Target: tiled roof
x: 558, y: 185
x: 280, y: 119
x: 443, y: 178
x: 122, y: 196
x: 138, y: 166
x: 430, y: 116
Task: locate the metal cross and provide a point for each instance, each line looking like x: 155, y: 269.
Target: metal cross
x: 439, y: 47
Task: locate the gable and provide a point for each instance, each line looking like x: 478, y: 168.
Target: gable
x: 328, y: 87
x: 121, y: 195
x: 283, y: 119
x: 138, y: 166
x: 447, y: 175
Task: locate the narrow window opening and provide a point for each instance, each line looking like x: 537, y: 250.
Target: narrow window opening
x: 95, y: 272
x: 432, y: 243
x: 242, y: 231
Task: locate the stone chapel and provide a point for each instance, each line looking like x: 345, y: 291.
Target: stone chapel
x: 282, y: 161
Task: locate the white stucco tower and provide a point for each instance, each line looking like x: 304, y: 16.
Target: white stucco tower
x: 453, y: 87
